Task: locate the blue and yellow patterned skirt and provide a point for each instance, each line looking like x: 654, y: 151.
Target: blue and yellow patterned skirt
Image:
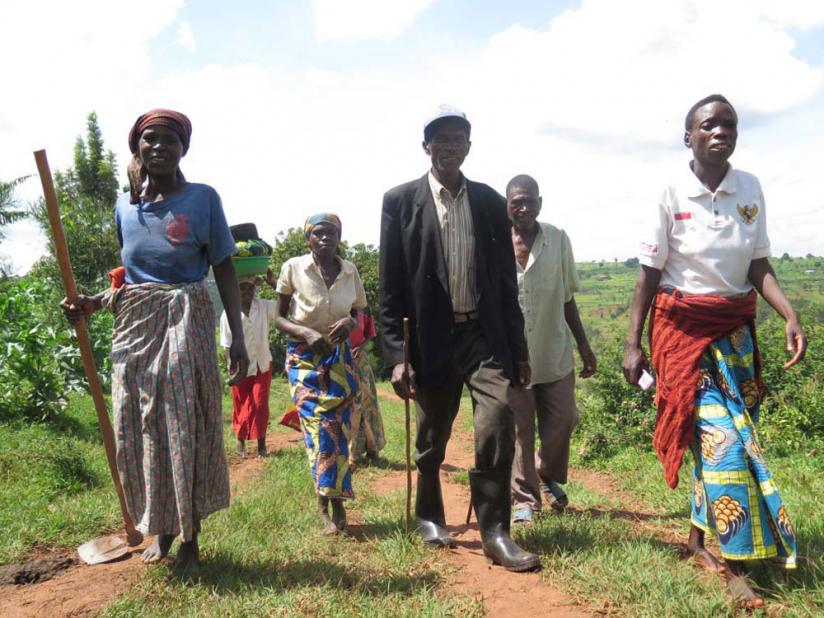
x: 322, y: 389
x: 734, y: 493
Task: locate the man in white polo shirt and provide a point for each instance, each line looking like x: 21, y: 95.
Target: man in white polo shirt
x: 702, y: 261
x: 547, y: 282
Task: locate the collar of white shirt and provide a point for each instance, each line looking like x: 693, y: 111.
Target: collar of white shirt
x: 346, y: 268
x: 437, y: 188
x: 694, y: 187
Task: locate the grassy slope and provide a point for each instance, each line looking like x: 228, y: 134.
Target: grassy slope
x: 604, y: 556
x: 55, y: 488
x: 265, y: 555
x: 608, y: 558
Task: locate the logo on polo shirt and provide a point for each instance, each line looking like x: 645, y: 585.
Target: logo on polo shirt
x: 650, y: 249
x: 748, y: 213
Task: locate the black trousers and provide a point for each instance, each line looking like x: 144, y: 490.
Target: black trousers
x: 472, y: 365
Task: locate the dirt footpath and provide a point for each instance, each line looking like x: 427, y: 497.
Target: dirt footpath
x: 504, y: 594
x: 74, y: 589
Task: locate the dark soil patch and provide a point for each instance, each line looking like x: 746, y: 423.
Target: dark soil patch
x: 33, y: 571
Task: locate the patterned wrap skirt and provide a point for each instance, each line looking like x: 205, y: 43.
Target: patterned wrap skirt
x: 367, y: 425
x: 166, y: 395
x: 323, y: 388
x: 734, y: 493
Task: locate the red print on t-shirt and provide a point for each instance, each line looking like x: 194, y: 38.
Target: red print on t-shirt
x: 177, y: 229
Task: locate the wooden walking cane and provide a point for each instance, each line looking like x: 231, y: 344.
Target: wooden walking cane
x: 408, y: 431
x: 107, y: 548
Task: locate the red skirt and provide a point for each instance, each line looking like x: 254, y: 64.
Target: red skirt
x: 250, y: 416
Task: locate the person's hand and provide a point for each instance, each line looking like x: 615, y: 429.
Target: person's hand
x: 82, y: 307
x: 339, y: 331
x: 523, y: 374
x: 589, y: 361
x: 796, y: 342
x: 317, y: 342
x: 358, y: 352
x: 403, y: 384
x: 634, y: 362
x: 238, y: 361
x: 270, y: 278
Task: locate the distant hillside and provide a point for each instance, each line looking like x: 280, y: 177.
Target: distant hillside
x: 606, y: 290
x: 607, y: 287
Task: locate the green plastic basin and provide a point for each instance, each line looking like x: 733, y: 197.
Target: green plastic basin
x: 251, y: 265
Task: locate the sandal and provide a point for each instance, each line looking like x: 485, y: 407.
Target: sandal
x: 745, y: 597
x: 523, y: 516
x: 555, y: 496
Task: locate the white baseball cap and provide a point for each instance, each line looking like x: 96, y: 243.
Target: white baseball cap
x: 444, y: 111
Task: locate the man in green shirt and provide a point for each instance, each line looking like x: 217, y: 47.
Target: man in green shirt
x: 547, y: 281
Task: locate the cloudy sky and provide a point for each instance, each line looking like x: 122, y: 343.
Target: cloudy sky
x: 307, y: 105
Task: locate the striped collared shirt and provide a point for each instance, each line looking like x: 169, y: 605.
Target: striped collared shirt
x: 458, y: 242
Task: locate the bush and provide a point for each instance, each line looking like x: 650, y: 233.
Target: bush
x: 39, y: 357
x: 792, y: 415
x: 615, y: 415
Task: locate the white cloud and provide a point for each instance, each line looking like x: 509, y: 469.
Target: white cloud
x: 185, y: 37
x: 63, y: 60
x: 592, y: 105
x: 352, y: 20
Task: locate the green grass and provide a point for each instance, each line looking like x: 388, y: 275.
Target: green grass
x: 55, y: 488
x: 603, y: 556
x: 266, y: 555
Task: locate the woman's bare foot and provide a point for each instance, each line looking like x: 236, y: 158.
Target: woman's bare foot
x: 187, y: 561
x: 338, y: 513
x: 241, y: 448
x: 329, y: 526
x: 262, y: 452
x: 159, y: 548
x: 739, y: 585
x: 700, y: 554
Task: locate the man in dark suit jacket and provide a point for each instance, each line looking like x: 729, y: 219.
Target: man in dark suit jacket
x: 446, y: 263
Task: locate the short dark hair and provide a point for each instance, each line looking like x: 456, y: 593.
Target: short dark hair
x: 713, y: 98
x: 523, y: 181
x: 433, y: 126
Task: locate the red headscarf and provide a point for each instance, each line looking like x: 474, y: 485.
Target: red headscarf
x: 169, y: 118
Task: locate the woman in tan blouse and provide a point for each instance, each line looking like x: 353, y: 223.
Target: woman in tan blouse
x: 318, y: 297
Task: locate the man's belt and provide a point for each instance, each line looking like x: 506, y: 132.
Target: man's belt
x: 465, y: 317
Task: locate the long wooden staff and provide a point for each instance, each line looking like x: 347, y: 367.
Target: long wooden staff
x: 408, y: 430
x: 132, y: 535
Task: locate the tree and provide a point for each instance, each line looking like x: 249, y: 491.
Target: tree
x: 9, y: 213
x: 631, y: 262
x: 86, y: 194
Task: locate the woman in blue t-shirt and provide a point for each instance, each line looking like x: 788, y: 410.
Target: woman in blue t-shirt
x: 166, y: 390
